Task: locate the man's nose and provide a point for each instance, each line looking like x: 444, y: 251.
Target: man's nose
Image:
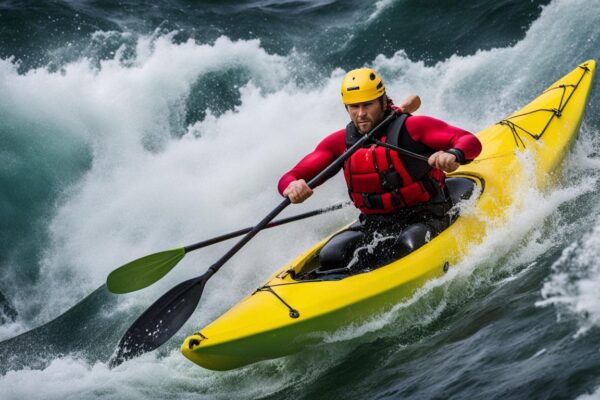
x: 362, y: 111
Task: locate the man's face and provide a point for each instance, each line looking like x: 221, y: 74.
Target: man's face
x: 366, y: 115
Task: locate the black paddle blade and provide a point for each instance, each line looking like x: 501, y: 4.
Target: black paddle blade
x: 160, y: 321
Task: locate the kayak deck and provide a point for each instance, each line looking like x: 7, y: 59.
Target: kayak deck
x: 459, y: 188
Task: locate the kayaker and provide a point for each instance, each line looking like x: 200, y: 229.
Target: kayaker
x: 403, y: 201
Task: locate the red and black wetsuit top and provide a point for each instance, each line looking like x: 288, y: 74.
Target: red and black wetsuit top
x: 381, y: 181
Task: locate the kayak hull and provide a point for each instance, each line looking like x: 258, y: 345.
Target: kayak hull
x: 285, y: 315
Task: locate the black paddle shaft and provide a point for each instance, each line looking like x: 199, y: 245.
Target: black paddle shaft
x: 273, y: 224
x: 317, y: 180
x: 403, y: 151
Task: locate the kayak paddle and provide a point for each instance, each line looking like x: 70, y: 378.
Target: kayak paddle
x: 167, y: 314
x: 145, y: 271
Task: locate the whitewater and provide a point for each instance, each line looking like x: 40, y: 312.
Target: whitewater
x: 125, y: 155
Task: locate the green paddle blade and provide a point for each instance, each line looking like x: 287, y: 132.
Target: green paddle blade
x: 144, y: 271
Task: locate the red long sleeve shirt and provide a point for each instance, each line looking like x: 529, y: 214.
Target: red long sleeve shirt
x: 432, y: 132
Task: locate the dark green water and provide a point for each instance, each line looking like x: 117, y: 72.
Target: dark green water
x: 132, y: 127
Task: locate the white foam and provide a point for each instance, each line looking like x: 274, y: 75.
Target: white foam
x: 12, y: 329
x: 70, y: 377
x: 221, y: 175
x: 380, y: 6
x: 124, y: 206
x: 573, y: 286
x: 134, y: 201
x: 539, y: 353
x: 595, y: 395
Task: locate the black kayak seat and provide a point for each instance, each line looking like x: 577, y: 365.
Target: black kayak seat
x: 418, y: 234
x: 340, y: 248
x: 460, y: 188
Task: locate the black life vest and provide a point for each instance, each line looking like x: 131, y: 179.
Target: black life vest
x: 381, y: 181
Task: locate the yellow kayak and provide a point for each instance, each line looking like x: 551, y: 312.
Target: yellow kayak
x: 290, y: 311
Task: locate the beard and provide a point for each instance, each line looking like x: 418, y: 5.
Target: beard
x: 364, y: 126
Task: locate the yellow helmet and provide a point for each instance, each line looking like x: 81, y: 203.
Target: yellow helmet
x: 360, y: 85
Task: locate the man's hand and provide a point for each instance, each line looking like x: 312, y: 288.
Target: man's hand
x: 411, y: 104
x: 298, y: 191
x: 444, y: 161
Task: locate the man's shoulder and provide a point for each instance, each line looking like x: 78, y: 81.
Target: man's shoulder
x: 339, y: 132
x: 337, y: 135
x: 334, y: 142
x: 420, y: 122
x: 420, y: 119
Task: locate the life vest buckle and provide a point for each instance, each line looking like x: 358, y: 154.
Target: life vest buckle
x: 372, y: 201
x: 390, y: 179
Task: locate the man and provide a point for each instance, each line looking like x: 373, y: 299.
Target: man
x: 403, y: 200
